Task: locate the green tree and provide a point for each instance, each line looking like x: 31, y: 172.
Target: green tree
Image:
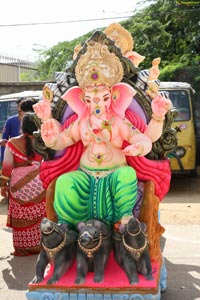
x: 161, y: 29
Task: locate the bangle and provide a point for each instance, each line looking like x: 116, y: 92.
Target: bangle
x: 157, y: 118
x: 5, y: 177
x: 52, y: 145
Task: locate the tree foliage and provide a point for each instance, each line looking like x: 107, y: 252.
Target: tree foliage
x: 56, y: 59
x: 161, y: 29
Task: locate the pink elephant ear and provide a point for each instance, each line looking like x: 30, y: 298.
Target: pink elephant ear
x: 74, y: 97
x: 122, y: 95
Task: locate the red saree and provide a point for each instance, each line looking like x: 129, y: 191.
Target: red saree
x: 27, y: 204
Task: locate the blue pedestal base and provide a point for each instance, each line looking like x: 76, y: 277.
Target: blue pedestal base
x: 48, y: 295
x: 62, y: 293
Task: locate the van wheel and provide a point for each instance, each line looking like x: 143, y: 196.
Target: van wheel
x: 193, y: 173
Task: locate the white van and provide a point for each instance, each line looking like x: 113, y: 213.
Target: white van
x: 8, y: 105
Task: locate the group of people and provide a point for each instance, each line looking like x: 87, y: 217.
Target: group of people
x: 20, y: 180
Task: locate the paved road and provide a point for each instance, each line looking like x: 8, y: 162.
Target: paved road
x: 180, y: 215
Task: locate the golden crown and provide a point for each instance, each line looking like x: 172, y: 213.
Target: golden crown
x: 98, y: 66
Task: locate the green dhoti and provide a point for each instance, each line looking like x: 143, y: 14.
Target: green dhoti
x: 92, y: 194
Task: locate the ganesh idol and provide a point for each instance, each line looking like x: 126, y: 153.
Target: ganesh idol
x: 104, y: 186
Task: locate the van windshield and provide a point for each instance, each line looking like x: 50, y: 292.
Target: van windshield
x: 180, y: 100
x: 7, y: 109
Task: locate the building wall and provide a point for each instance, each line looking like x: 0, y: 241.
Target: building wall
x: 9, y: 72
x: 16, y: 87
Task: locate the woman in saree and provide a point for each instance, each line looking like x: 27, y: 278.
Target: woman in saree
x: 21, y: 181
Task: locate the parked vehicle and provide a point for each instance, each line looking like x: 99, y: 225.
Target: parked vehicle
x: 8, y: 105
x: 183, y: 158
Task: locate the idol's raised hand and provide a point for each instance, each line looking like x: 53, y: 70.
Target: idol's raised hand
x: 50, y: 131
x: 43, y: 110
x: 160, y: 106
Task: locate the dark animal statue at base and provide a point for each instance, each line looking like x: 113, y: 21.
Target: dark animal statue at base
x: 94, y: 246
x: 59, y: 246
x: 131, y: 252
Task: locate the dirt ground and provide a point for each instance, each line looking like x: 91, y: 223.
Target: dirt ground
x: 3, y: 212
x: 182, y: 204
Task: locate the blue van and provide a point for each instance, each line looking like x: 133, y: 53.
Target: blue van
x: 8, y: 105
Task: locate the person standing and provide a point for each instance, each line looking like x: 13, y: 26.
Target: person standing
x: 21, y: 183
x: 12, y: 126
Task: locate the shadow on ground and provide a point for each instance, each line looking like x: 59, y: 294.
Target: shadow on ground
x: 182, y: 280
x: 20, y: 272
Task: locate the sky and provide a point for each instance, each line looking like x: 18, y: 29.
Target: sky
x: 77, y: 17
